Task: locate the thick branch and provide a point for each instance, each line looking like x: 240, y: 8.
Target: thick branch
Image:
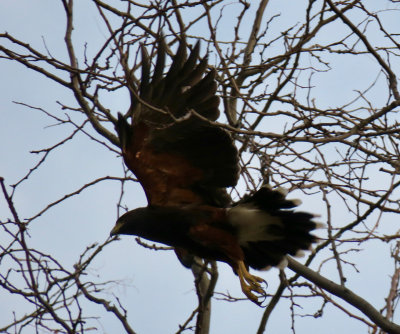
x: 345, y: 294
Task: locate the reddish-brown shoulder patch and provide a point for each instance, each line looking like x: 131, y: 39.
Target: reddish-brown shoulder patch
x: 165, y: 177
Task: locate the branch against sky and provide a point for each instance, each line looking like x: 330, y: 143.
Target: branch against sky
x: 310, y: 94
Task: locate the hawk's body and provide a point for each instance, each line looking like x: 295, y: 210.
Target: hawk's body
x: 185, y: 162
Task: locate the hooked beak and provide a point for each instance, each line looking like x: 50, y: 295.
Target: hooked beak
x: 115, y: 230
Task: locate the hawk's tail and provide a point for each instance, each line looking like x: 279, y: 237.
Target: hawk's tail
x: 269, y: 229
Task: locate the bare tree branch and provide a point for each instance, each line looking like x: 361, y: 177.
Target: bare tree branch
x: 345, y: 294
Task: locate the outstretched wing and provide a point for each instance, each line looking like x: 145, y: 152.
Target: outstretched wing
x: 172, y: 146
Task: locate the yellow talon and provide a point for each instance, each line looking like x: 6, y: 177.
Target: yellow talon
x: 250, y: 284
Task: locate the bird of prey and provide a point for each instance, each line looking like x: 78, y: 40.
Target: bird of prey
x: 185, y: 161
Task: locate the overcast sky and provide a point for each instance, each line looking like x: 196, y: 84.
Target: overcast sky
x: 156, y: 290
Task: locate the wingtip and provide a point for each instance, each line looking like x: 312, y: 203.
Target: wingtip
x: 123, y: 129
x: 196, y: 48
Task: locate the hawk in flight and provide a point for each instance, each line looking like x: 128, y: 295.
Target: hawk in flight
x: 185, y: 162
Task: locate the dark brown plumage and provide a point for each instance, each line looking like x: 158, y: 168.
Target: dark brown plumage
x: 184, y: 162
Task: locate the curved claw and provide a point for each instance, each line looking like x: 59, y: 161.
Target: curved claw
x: 251, y: 285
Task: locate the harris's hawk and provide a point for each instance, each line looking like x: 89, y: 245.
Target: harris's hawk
x: 184, y: 163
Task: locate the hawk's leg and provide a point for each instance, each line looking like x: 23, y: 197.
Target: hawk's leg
x: 251, y: 285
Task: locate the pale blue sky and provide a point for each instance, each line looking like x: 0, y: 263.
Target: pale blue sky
x: 159, y: 293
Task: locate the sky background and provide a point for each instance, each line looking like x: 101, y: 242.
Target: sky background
x: 156, y: 290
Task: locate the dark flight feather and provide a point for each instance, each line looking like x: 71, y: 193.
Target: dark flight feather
x: 173, y: 131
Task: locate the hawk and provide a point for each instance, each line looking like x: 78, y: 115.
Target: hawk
x: 185, y: 161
